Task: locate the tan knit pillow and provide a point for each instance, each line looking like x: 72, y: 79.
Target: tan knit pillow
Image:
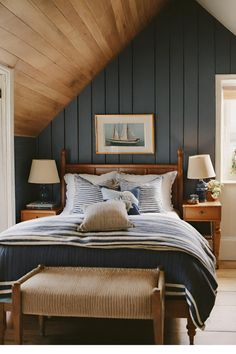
x: 105, y: 216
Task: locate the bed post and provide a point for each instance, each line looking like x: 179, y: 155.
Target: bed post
x: 63, y: 170
x: 180, y: 179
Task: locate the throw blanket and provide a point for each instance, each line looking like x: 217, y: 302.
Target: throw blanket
x: 155, y: 233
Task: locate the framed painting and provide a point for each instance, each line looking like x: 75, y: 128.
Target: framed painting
x: 124, y: 133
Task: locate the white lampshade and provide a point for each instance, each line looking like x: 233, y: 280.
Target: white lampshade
x: 43, y: 172
x: 200, y: 166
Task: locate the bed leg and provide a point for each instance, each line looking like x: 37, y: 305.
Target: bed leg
x: 191, y: 330
x: 42, y: 325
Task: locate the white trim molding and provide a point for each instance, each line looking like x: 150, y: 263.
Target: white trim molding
x: 228, y: 248
x: 7, y: 173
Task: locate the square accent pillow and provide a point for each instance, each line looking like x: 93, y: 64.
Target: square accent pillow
x: 107, y: 179
x: 105, y: 216
x: 166, y: 189
x: 150, y: 199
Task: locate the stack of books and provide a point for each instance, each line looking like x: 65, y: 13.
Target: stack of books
x: 40, y: 205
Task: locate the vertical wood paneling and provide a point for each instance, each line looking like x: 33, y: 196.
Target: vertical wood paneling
x: 112, y: 97
x: 143, y: 79
x: 190, y: 85
x: 98, y: 107
x: 162, y: 81
x: 176, y: 83
x: 222, y: 49
x: 58, y: 144
x: 85, y: 138
x: 45, y: 143
x: 206, y: 119
x: 233, y: 54
x: 125, y: 90
x: 25, y: 151
x: 71, y: 131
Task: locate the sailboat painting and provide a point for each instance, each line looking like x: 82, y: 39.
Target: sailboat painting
x: 124, y: 134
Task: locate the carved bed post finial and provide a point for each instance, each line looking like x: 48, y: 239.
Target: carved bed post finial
x: 63, y: 171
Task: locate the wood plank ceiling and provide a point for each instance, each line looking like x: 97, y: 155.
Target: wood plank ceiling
x: 56, y: 47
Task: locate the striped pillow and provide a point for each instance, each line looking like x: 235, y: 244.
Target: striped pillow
x: 86, y: 194
x: 150, y: 199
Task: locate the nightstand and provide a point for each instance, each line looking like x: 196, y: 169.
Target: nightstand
x: 28, y: 214
x: 206, y: 212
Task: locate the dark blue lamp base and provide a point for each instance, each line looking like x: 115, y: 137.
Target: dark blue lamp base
x: 44, y: 193
x: 201, y: 189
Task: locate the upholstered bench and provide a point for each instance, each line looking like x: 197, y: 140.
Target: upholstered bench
x: 91, y: 292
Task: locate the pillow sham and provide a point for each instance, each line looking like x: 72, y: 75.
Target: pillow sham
x: 167, y: 182
x: 150, y: 199
x: 106, y: 179
x: 105, y: 216
x: 86, y: 194
x: 130, y: 198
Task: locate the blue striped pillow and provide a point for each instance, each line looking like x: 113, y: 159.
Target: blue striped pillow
x: 150, y: 199
x: 86, y: 194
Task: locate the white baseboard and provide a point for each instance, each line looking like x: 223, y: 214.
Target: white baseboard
x: 228, y: 248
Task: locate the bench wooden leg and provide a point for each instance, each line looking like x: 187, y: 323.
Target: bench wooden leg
x: 191, y: 330
x: 2, y: 322
x: 17, y: 313
x: 158, y: 316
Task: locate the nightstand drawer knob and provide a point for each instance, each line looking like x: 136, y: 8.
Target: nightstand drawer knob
x: 202, y: 211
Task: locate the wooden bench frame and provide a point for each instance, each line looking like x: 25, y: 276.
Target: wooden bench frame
x: 157, y: 300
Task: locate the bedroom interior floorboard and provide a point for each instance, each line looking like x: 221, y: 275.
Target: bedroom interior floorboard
x: 220, y: 327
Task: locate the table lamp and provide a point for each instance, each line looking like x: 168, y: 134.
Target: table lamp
x: 43, y: 172
x: 200, y: 167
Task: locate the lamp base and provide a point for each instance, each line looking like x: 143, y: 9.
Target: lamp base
x: 43, y: 194
x: 201, y: 189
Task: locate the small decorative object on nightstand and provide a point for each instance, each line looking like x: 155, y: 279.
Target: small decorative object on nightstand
x: 200, y: 167
x: 28, y: 214
x: 206, y: 212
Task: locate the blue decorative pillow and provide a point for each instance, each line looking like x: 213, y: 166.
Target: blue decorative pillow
x: 86, y: 194
x: 131, y: 198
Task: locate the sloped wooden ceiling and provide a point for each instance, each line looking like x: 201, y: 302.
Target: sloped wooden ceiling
x: 57, y: 46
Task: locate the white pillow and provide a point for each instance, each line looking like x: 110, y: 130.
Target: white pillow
x: 70, y: 179
x: 166, y: 190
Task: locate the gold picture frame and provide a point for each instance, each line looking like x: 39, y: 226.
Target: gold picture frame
x: 124, y: 133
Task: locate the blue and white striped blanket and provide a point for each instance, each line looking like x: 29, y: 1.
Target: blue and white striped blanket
x: 159, y: 233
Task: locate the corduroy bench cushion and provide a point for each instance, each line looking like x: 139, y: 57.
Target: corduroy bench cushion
x: 91, y: 292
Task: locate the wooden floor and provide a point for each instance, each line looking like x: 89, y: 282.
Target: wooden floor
x: 220, y: 327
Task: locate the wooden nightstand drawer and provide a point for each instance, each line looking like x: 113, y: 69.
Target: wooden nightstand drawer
x: 202, y: 213
x: 28, y: 214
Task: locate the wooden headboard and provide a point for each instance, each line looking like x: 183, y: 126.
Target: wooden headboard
x: 141, y: 169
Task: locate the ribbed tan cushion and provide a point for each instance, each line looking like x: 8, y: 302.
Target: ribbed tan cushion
x: 90, y: 292
x: 105, y: 216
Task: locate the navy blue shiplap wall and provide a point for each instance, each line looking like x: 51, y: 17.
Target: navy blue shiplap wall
x: 169, y: 70
x: 25, y: 151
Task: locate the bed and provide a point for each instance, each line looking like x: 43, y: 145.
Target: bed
x: 184, y: 255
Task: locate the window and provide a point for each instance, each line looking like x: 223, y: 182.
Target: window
x: 226, y: 128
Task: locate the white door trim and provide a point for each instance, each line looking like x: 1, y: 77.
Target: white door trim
x: 7, y: 200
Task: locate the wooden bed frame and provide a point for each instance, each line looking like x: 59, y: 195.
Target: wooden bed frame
x: 174, y: 308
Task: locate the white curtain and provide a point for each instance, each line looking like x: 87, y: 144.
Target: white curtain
x: 7, y: 181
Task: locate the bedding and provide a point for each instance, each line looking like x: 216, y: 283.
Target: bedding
x: 131, y: 198
x: 157, y: 240
x: 107, y: 179
x: 168, y: 179
x: 150, y: 199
